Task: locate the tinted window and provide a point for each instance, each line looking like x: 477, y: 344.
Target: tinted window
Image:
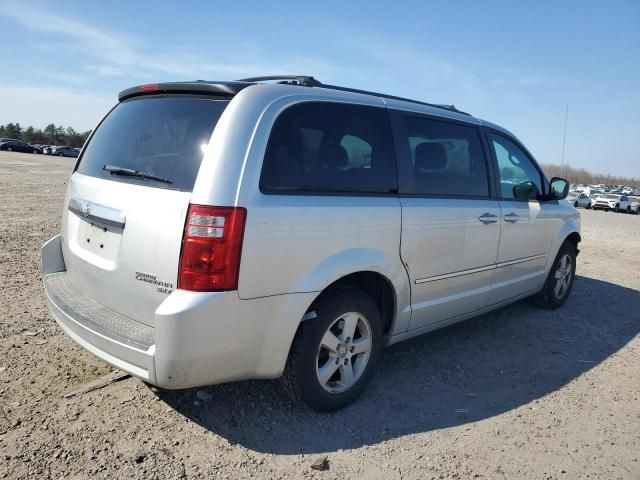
x: 330, y: 147
x: 161, y: 136
x: 514, y: 166
x: 446, y: 159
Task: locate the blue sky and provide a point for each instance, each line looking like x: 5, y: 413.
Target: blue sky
x: 517, y: 64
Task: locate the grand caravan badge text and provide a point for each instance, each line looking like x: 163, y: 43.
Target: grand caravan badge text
x: 162, y: 287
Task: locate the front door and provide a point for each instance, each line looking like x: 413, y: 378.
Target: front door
x: 526, y: 225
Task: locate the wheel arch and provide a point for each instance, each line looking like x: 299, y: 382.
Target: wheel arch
x: 376, y: 285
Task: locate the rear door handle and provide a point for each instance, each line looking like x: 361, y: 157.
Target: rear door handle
x: 511, y: 217
x: 487, y: 218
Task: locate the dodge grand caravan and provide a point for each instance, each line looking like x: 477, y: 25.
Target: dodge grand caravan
x: 281, y: 227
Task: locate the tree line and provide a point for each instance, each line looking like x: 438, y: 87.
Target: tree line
x: 577, y: 176
x: 50, y: 135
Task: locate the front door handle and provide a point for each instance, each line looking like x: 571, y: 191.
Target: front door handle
x: 511, y: 217
x: 487, y: 218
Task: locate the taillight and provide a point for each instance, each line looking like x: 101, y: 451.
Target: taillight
x: 211, y: 248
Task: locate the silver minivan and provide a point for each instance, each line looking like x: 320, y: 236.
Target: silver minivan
x: 281, y: 227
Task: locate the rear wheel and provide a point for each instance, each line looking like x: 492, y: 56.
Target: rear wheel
x: 575, y: 204
x: 559, y: 282
x: 333, y: 355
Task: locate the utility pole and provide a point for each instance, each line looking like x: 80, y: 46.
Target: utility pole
x: 564, y: 140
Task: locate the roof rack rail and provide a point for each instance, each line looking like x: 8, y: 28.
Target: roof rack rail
x: 309, y: 81
x: 302, y: 80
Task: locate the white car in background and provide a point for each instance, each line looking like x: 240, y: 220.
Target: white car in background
x: 634, y: 205
x: 579, y: 199
x: 611, y: 201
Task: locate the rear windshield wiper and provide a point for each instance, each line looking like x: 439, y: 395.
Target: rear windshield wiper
x: 129, y: 172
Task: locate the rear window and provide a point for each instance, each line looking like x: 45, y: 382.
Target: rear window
x: 161, y: 137
x: 447, y: 159
x: 323, y: 147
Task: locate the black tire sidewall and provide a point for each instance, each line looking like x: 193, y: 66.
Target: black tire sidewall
x: 328, y: 310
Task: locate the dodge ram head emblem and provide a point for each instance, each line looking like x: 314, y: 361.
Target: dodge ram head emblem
x: 86, y: 210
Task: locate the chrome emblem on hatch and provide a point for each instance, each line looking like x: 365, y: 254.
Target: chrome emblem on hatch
x: 86, y: 210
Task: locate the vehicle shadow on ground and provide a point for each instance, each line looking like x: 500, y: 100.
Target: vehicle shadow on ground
x: 465, y: 373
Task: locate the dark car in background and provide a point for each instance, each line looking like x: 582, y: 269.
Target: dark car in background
x: 18, y: 146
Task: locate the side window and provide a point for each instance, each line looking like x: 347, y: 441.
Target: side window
x: 447, y: 159
x: 330, y: 147
x: 514, y: 167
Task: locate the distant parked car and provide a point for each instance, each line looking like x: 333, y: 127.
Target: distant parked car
x: 634, y: 205
x: 46, y: 149
x: 18, y: 146
x: 579, y: 199
x: 64, y: 152
x: 610, y: 201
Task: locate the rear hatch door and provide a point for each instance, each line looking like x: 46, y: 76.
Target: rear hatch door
x: 128, y: 198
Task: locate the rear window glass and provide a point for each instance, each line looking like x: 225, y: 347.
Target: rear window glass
x: 447, y: 159
x: 163, y: 138
x: 324, y: 147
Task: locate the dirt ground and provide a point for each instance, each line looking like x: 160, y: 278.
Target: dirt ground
x: 518, y: 393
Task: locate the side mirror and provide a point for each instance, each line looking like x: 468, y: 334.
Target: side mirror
x: 526, y: 191
x: 558, y: 188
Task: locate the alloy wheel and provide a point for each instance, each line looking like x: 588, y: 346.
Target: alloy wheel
x: 563, y: 276
x: 344, y: 352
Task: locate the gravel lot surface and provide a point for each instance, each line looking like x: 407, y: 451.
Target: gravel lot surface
x: 518, y: 393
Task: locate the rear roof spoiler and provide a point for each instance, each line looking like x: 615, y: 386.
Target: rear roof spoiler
x: 200, y: 87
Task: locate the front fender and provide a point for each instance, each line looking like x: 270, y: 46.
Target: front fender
x: 570, y: 225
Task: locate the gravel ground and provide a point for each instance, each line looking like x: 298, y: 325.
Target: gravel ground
x: 518, y: 393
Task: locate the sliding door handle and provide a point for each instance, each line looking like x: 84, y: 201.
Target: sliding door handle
x: 487, y: 218
x: 511, y: 217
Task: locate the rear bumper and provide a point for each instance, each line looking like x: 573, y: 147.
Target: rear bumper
x: 198, y: 338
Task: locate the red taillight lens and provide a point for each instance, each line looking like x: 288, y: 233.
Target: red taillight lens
x: 211, y: 248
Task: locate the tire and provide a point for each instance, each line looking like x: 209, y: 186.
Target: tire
x: 588, y: 206
x: 628, y: 209
x: 575, y: 204
x: 303, y: 375
x: 551, y: 296
x: 617, y: 209
x: 34, y: 151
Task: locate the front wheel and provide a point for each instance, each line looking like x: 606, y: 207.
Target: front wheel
x: 617, y: 208
x: 333, y: 355
x: 575, y: 204
x: 559, y: 282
